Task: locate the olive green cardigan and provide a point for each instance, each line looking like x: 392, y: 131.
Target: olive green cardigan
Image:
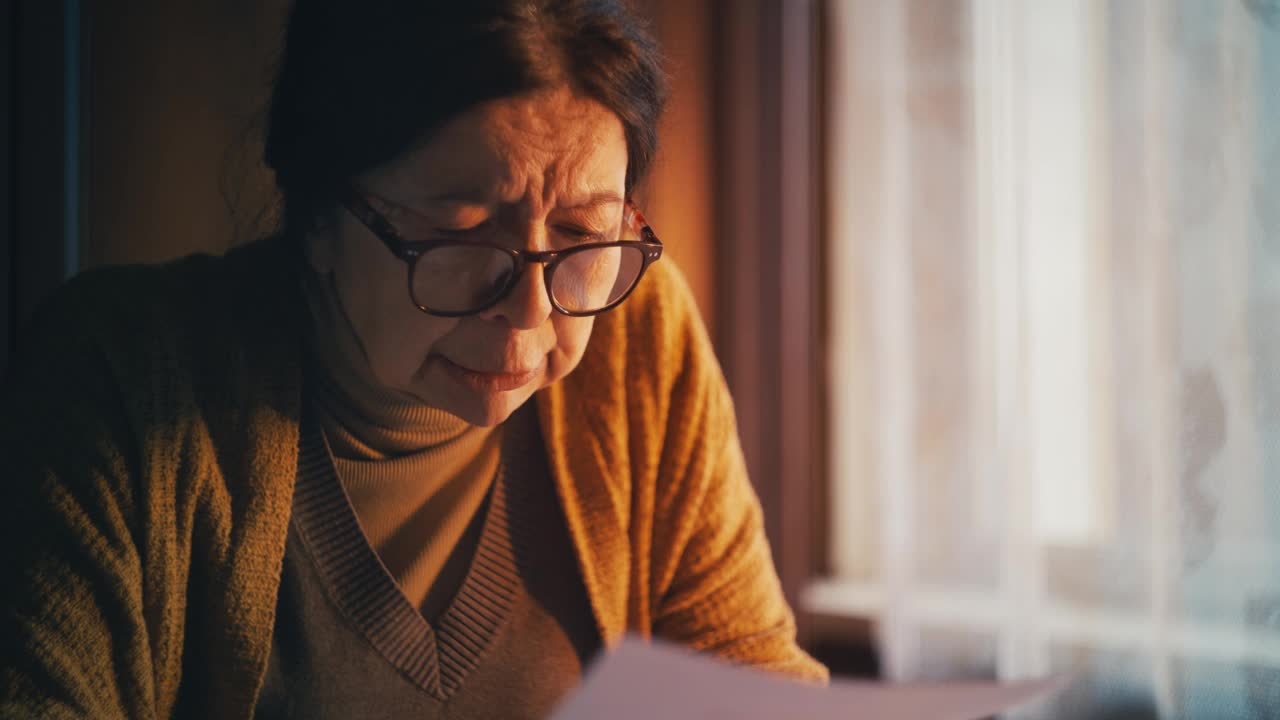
x: 150, y: 430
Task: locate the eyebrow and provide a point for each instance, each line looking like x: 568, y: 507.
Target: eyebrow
x: 606, y: 197
x: 476, y: 196
x: 465, y: 196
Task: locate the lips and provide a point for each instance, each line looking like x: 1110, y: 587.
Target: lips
x: 502, y: 381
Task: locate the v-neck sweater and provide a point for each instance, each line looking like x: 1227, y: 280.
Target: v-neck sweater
x: 150, y: 419
x: 348, y: 644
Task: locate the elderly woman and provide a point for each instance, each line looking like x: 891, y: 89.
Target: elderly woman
x: 425, y: 452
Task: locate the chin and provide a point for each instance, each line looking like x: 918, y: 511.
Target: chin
x: 489, y: 411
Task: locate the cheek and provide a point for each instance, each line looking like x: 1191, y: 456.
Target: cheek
x: 397, y: 344
x: 395, y: 335
x: 572, y: 335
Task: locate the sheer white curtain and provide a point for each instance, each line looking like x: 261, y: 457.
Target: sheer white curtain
x: 1055, y: 266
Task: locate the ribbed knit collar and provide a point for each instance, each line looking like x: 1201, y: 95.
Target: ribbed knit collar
x: 362, y: 419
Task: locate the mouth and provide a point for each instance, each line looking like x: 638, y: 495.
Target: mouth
x: 502, y: 381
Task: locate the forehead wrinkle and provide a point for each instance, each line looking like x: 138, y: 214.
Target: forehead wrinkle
x: 532, y: 152
x: 549, y: 146
x: 544, y: 178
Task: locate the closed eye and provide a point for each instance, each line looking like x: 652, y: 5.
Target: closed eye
x: 581, y: 235
x: 464, y: 232
x: 568, y: 234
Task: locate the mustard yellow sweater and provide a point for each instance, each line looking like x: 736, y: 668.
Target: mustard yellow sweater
x: 150, y: 440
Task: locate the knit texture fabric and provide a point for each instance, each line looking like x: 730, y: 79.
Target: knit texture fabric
x: 150, y: 422
x: 347, y: 644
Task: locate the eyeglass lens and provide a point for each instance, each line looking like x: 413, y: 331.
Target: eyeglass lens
x: 461, y: 278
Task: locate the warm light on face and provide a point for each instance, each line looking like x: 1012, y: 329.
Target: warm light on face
x: 518, y: 172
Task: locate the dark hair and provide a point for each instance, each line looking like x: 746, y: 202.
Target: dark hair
x: 360, y: 82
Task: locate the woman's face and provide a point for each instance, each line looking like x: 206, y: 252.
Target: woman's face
x: 530, y: 172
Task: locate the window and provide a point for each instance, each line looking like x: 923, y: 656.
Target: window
x: 1055, y: 346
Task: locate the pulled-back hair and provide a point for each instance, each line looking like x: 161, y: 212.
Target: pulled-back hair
x: 361, y: 81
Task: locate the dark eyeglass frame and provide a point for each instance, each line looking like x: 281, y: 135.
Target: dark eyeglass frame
x: 357, y: 203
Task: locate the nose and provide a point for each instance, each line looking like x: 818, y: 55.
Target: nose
x: 528, y: 305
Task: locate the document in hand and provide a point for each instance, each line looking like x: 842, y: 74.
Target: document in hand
x: 642, y: 680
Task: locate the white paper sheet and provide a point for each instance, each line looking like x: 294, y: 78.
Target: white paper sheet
x: 639, y: 681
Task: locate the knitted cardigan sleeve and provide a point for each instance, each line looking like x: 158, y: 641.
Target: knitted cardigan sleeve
x: 718, y: 590
x: 72, y: 617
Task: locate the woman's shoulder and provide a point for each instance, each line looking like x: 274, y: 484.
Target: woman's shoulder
x: 662, y: 302
x: 134, y: 302
x: 659, y: 323
x: 148, y: 325
x: 111, y: 306
x: 658, y: 339
x: 650, y: 362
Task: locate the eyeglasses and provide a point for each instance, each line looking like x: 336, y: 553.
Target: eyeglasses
x: 454, y: 278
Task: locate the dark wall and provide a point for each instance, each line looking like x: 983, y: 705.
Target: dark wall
x: 176, y: 94
x: 130, y: 134
x: 7, y: 170
x: 40, y: 217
